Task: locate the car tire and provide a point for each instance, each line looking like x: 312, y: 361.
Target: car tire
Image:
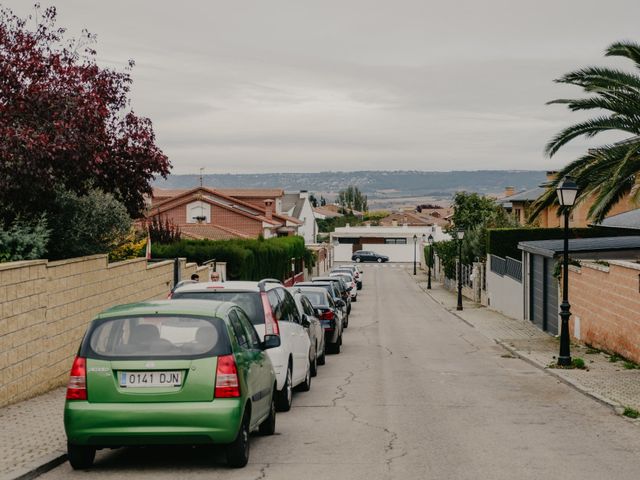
x: 379, y: 260
x: 80, y: 456
x: 238, y: 450
x: 306, y: 385
x: 268, y: 427
x: 345, y: 324
x: 314, y: 363
x: 322, y: 359
x: 354, y: 299
x: 284, y: 397
x: 358, y: 260
x: 335, y: 347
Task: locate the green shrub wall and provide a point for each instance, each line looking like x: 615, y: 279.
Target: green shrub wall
x: 503, y: 242
x: 246, y: 259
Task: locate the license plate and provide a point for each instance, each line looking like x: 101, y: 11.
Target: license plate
x: 150, y: 379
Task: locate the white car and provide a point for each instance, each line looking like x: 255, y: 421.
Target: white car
x: 272, y: 310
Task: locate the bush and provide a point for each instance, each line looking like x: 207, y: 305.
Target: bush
x: 246, y: 259
x: 448, y: 253
x: 24, y: 240
x: 86, y: 225
x: 503, y: 242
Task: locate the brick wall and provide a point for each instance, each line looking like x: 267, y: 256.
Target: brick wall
x: 605, y: 305
x: 45, y: 308
x: 219, y: 216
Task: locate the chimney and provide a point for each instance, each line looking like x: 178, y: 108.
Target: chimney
x: 268, y: 206
x: 508, y: 191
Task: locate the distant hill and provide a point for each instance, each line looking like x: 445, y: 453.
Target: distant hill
x: 376, y: 184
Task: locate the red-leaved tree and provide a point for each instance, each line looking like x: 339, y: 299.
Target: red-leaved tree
x: 66, y: 123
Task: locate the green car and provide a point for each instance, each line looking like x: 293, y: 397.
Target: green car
x: 170, y: 373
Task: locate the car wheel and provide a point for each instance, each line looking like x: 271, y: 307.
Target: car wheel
x: 285, y: 396
x: 80, y: 457
x: 354, y: 299
x: 314, y: 363
x: 238, y: 450
x: 345, y: 324
x: 306, y: 385
x: 335, y: 347
x: 379, y: 260
x: 358, y: 259
x: 268, y: 427
x: 323, y: 357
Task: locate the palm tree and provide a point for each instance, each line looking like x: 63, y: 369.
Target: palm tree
x: 607, y: 173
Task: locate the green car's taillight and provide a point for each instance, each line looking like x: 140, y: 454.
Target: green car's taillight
x: 77, y: 386
x: 227, y: 382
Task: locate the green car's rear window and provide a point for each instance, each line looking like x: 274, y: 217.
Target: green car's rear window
x: 157, y: 336
x: 248, y: 301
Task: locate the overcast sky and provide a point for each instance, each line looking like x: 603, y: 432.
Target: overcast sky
x: 269, y: 85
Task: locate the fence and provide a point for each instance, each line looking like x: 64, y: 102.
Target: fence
x: 507, y: 266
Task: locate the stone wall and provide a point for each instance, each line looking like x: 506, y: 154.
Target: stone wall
x: 605, y: 306
x: 45, y: 308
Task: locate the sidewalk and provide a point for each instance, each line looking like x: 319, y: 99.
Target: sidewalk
x: 32, y: 436
x: 608, y: 382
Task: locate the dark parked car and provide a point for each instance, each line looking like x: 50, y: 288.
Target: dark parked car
x: 334, y: 293
x: 327, y: 311
x: 368, y: 256
x: 314, y: 330
x: 344, y: 291
x: 352, y: 270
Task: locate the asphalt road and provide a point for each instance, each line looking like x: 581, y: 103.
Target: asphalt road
x: 415, y: 394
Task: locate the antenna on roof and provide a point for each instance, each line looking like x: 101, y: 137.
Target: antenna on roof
x: 201, y: 172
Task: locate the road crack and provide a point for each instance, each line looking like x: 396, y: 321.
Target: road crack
x: 263, y: 472
x: 340, y: 389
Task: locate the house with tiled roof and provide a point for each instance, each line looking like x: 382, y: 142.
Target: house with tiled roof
x: 297, y: 205
x: 203, y: 212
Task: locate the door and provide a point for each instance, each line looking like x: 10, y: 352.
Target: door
x: 248, y: 367
x: 536, y: 295
x: 261, y: 366
x: 551, y: 297
x: 301, y: 343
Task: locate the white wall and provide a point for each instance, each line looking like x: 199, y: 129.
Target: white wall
x: 342, y: 252
x: 309, y: 229
x: 504, y: 294
x: 396, y: 253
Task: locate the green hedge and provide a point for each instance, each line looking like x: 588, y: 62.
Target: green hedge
x: 503, y: 242
x: 246, y: 259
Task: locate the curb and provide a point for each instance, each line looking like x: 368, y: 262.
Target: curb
x: 42, y: 465
x: 616, y: 407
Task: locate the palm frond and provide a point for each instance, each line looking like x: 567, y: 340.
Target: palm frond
x: 600, y: 78
x: 588, y: 129
x: 628, y: 49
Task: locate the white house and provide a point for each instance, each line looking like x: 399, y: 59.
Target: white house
x: 398, y: 243
x: 298, y: 206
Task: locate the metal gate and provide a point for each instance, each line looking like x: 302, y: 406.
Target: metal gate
x: 543, y: 294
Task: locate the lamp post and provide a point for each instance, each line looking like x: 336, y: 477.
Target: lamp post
x: 567, y: 192
x: 415, y: 242
x: 459, y: 236
x: 430, y: 241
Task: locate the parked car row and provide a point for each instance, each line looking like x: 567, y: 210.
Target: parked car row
x: 209, y: 365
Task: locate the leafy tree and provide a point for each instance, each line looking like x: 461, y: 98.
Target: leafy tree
x: 323, y: 201
x: 163, y: 231
x: 24, y: 240
x: 330, y: 224
x: 351, y: 198
x: 608, y: 173
x: 86, y: 225
x: 66, y: 123
x: 476, y: 214
x: 313, y: 200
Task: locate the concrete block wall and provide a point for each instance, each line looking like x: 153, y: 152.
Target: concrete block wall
x: 605, y: 306
x: 45, y: 308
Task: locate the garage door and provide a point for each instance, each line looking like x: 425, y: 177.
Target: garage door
x: 543, y: 294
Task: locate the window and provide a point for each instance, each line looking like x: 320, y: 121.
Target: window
x: 241, y: 335
x: 351, y: 241
x: 250, y: 330
x: 249, y: 302
x: 306, y: 305
x: 395, y: 241
x: 198, y: 212
x: 159, y: 336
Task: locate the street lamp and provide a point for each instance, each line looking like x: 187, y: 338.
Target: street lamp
x: 430, y: 241
x: 567, y: 192
x: 459, y: 236
x: 415, y: 241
